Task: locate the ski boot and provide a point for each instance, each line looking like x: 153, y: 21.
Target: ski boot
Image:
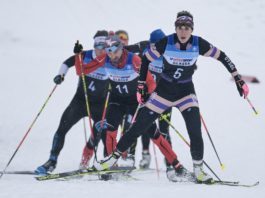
x: 145, y: 161
x: 128, y: 161
x: 179, y: 174
x: 47, y: 167
x: 200, y: 175
x: 107, y: 162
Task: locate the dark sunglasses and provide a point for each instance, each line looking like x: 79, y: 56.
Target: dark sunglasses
x: 112, y: 49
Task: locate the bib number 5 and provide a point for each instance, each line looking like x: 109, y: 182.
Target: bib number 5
x: 178, y: 73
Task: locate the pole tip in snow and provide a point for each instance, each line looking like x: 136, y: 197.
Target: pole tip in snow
x: 222, y: 166
x: 255, y: 112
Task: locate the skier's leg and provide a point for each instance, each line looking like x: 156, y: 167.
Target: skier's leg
x: 146, y: 157
x: 191, y: 114
x: 96, y: 109
x: 164, y: 128
x: 72, y: 114
x: 147, y: 115
x: 114, y: 116
x: 128, y: 157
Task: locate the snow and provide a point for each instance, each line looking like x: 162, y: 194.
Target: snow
x: 36, y: 36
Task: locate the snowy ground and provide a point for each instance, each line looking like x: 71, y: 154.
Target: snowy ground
x: 36, y: 36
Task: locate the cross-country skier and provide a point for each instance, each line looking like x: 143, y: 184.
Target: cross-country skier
x: 97, y: 84
x: 128, y: 158
x: 175, y: 89
x: 122, y: 68
x: 155, y: 68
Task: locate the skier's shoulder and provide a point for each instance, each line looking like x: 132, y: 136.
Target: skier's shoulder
x: 203, y: 44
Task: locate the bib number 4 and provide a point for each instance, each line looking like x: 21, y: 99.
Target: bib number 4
x: 91, y: 86
x: 178, y: 73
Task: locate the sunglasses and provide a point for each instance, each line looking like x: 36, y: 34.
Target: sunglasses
x: 112, y: 49
x: 99, y: 46
x: 123, y: 36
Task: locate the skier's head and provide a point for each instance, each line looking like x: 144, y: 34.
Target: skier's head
x: 156, y: 35
x: 113, y: 47
x: 111, y: 33
x: 184, y: 18
x: 124, y: 36
x: 184, y: 26
x: 99, y: 41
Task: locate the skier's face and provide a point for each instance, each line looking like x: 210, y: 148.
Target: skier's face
x: 115, y: 56
x: 183, y: 33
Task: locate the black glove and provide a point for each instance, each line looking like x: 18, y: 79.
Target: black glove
x: 58, y: 79
x: 241, y: 86
x: 142, y: 92
x: 78, y: 48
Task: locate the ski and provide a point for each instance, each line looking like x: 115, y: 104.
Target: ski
x: 118, y: 176
x: 229, y: 183
x: 239, y: 184
x: 217, y: 182
x: 78, y: 173
x: 19, y: 172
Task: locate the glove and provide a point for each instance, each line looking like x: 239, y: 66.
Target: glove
x: 104, y: 125
x: 242, y: 87
x: 142, y: 92
x: 78, y: 48
x: 58, y: 79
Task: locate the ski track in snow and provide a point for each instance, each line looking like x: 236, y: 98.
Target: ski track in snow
x: 36, y: 36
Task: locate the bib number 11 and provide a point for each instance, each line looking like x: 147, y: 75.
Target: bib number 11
x: 122, y: 89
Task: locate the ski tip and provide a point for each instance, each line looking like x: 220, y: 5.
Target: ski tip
x: 223, y: 167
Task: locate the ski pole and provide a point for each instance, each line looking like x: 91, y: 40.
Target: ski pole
x: 30, y: 127
x: 209, y: 136
x: 251, y: 105
x: 135, y: 114
x: 86, y: 95
x: 187, y: 143
x: 156, y: 161
x: 85, y: 132
x: 123, y: 125
x: 105, y: 108
x: 102, y: 122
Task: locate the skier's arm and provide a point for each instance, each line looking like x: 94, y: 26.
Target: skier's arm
x: 69, y: 62
x: 150, y: 82
x: 137, y: 47
x: 206, y: 49
x: 144, y: 69
x: 151, y: 54
x: 99, y: 61
x: 136, y: 61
